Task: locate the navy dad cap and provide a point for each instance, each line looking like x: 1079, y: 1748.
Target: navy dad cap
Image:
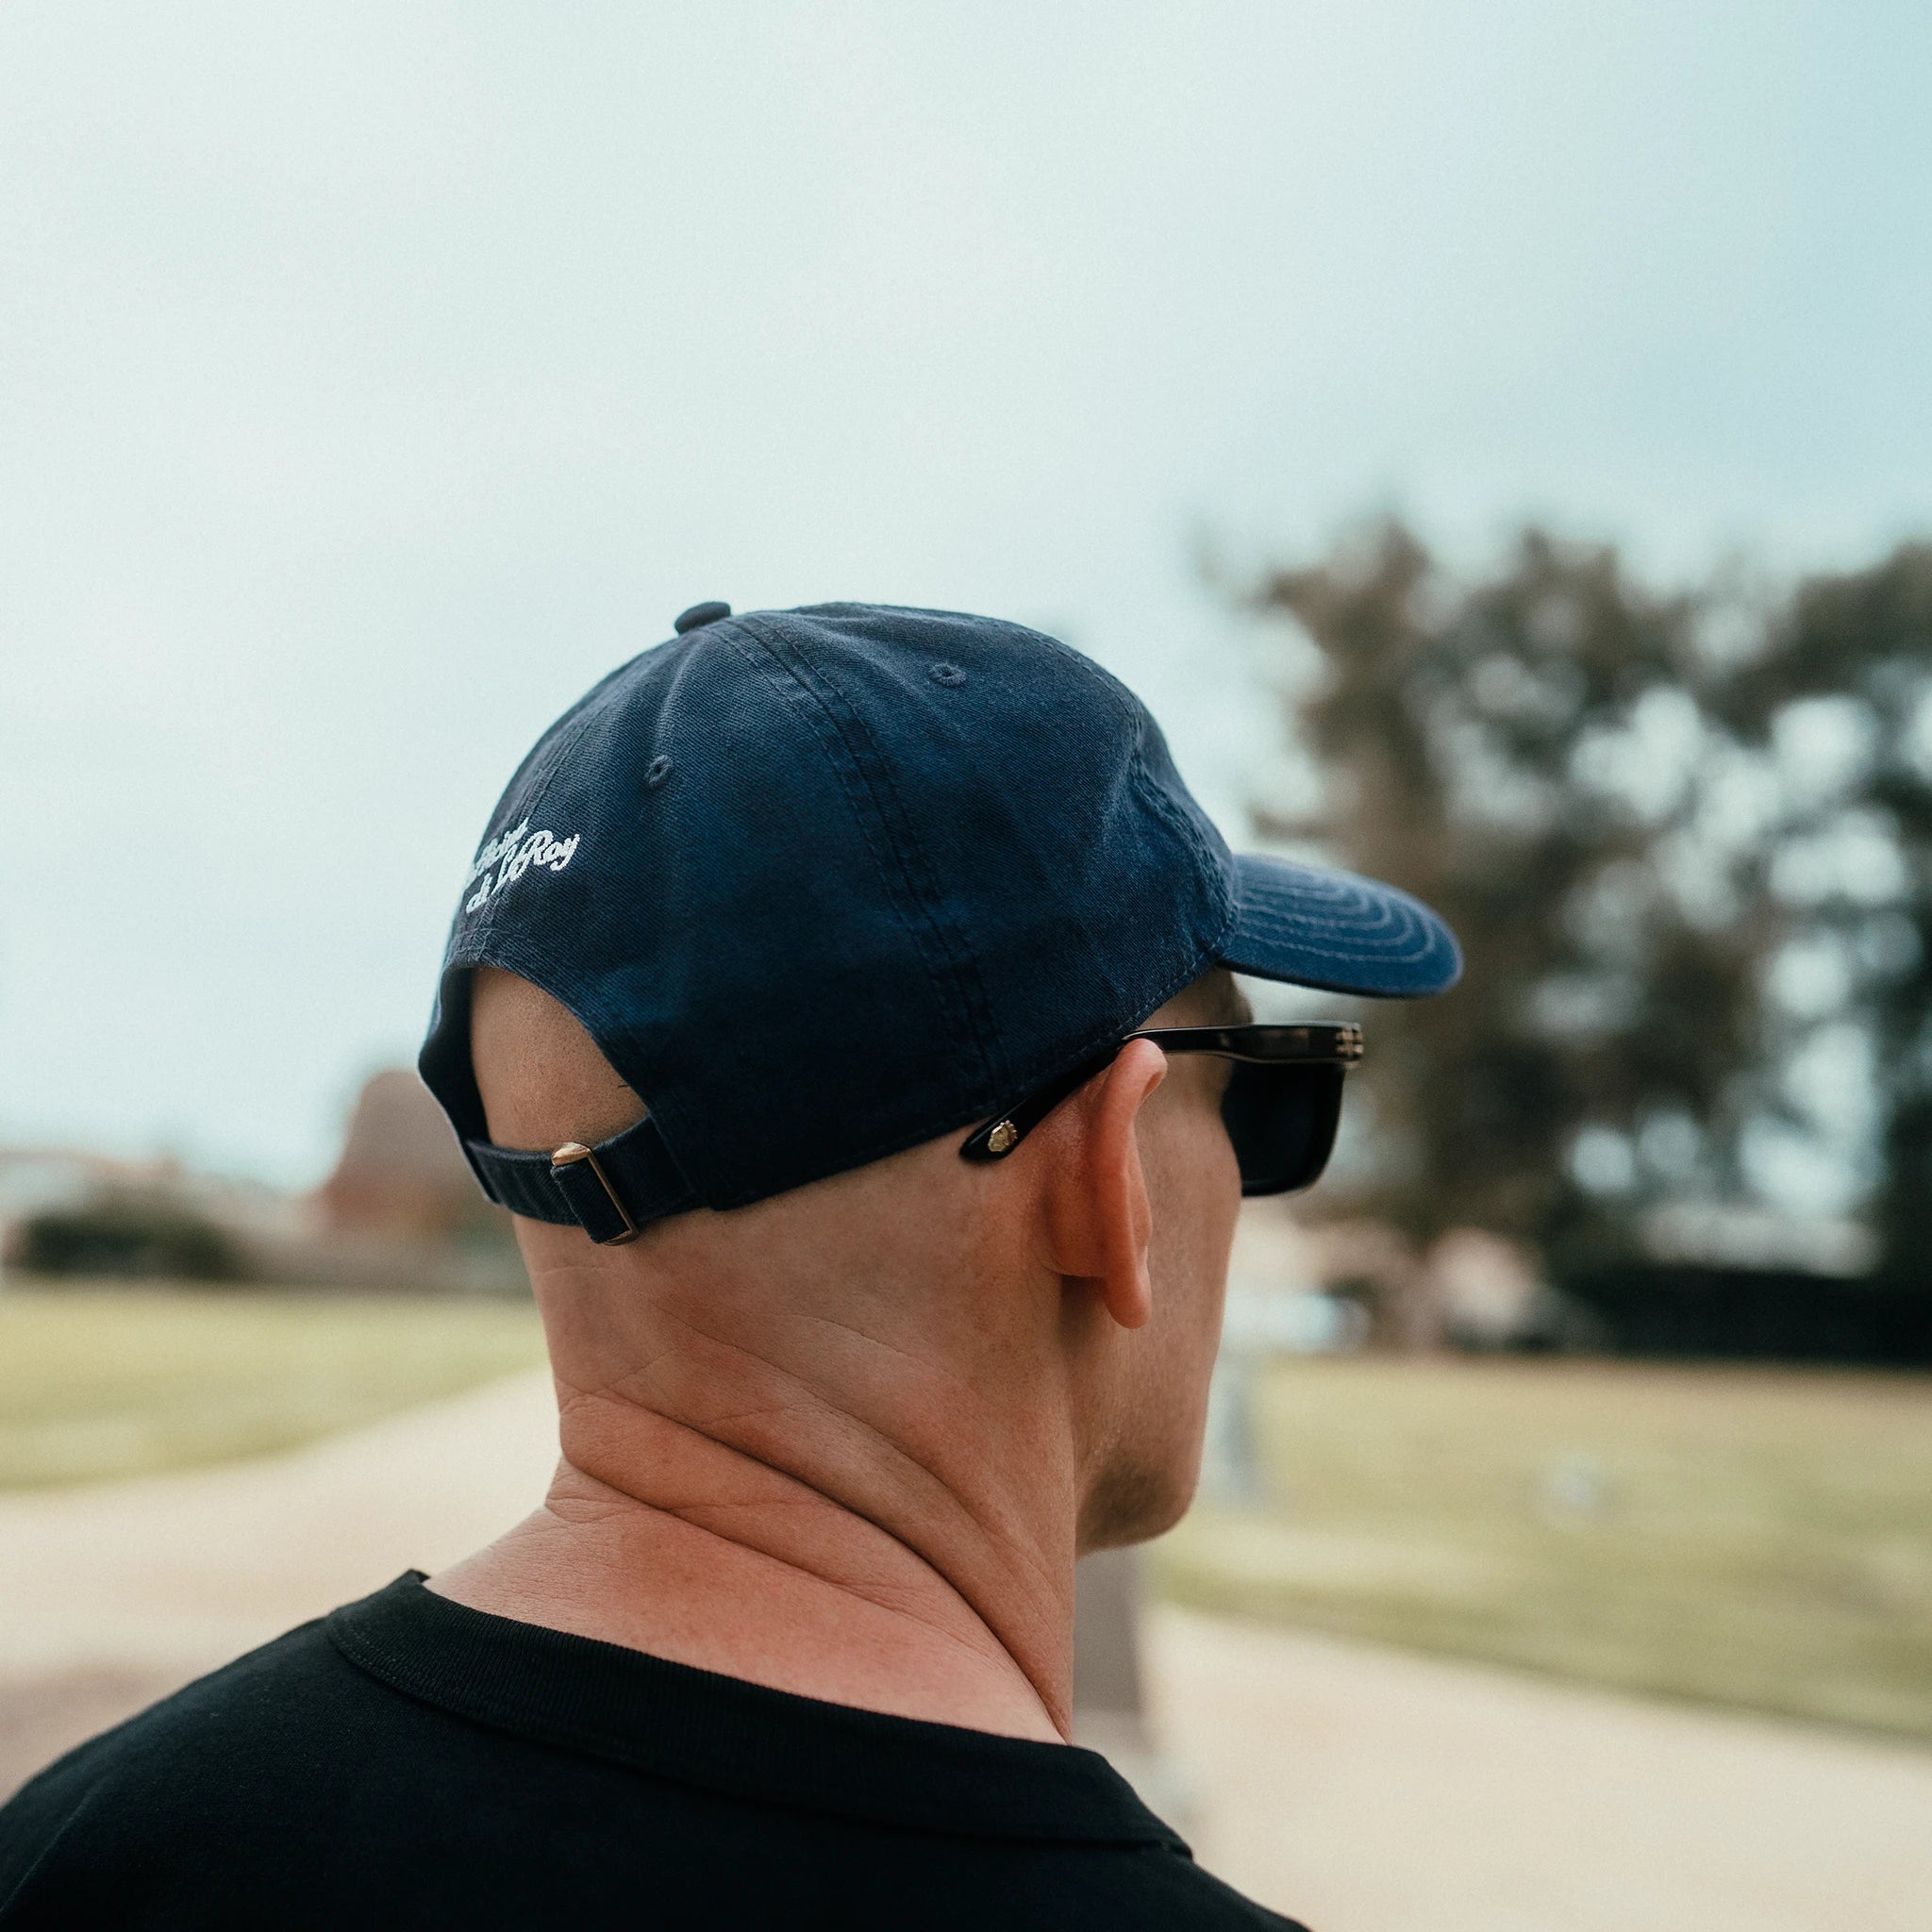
x: 824, y: 884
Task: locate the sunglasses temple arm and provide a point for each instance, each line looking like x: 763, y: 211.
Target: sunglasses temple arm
x: 999, y: 1137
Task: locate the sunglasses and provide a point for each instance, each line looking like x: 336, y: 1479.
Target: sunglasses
x: 1281, y: 1108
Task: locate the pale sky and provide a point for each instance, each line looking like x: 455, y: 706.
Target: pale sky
x: 374, y: 378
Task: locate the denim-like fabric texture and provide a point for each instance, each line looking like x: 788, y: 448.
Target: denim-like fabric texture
x: 824, y: 883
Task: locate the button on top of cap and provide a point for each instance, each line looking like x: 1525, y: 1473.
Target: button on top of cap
x: 697, y: 614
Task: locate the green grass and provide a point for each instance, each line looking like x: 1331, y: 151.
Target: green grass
x: 96, y: 1383
x: 1760, y: 1538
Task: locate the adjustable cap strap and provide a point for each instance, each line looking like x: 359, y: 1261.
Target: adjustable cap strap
x: 611, y: 1191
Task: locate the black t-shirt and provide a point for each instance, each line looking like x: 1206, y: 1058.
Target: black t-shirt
x: 409, y: 1761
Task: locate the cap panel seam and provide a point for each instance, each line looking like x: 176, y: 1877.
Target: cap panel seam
x: 1111, y: 687
x: 962, y: 957
x: 1130, y: 712
x: 547, y: 757
x: 785, y: 680
x: 1177, y: 820
x: 869, y: 767
x: 1135, y: 718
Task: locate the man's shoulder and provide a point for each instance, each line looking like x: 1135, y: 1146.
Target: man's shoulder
x: 250, y: 1690
x: 212, y: 1750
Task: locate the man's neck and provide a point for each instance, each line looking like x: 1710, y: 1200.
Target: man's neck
x: 660, y: 1537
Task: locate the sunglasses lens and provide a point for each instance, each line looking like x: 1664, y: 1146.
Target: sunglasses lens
x: 1282, y: 1122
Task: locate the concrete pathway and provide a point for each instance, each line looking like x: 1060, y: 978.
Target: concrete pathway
x: 1365, y: 1790
x: 1370, y: 1790
x: 177, y: 1574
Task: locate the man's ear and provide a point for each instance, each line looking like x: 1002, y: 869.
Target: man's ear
x: 1098, y: 1216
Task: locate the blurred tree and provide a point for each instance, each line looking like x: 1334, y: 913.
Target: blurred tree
x: 1531, y: 754
x: 1842, y: 698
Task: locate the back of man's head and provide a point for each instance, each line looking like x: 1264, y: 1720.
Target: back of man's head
x: 1048, y: 1310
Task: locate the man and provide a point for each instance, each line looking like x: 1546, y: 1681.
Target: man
x: 841, y: 999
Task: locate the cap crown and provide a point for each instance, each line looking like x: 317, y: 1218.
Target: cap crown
x: 823, y: 884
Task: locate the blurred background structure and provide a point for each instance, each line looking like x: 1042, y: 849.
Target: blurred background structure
x: 1493, y: 440
x: 398, y: 1211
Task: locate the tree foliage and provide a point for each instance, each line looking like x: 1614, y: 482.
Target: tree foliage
x: 1605, y: 790
x: 1850, y: 660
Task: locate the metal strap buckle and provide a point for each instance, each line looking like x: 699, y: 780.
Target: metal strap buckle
x: 570, y: 1155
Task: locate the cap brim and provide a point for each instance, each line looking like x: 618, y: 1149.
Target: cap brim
x: 1336, y: 931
